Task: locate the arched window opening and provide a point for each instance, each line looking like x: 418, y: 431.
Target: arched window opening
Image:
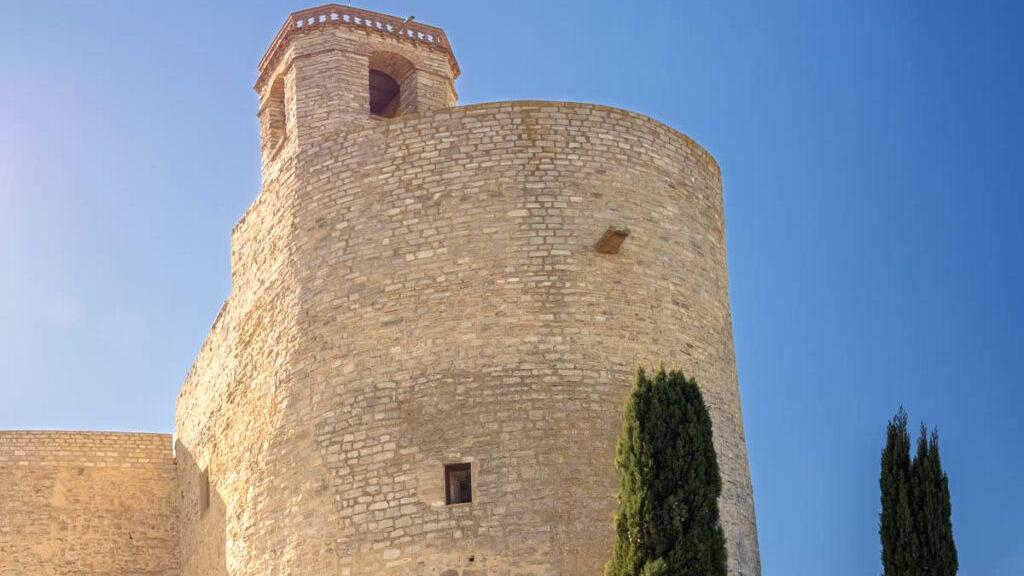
x: 385, y: 94
x: 392, y: 85
x: 275, y: 117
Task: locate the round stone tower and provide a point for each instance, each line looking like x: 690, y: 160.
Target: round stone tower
x: 435, y: 317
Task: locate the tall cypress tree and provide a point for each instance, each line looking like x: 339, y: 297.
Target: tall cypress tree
x: 915, y: 525
x: 667, y: 523
x: 944, y: 546
x: 930, y: 489
x: 896, y: 524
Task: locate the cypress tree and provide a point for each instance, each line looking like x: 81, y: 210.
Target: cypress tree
x: 667, y: 522
x: 915, y: 525
x: 896, y: 523
x: 937, y: 551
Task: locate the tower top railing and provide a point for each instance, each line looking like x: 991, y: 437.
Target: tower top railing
x: 330, y: 15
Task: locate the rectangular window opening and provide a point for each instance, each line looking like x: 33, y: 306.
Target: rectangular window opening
x: 458, y: 483
x: 204, y: 490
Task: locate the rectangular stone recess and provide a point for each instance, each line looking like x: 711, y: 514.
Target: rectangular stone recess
x: 611, y: 240
x: 204, y: 490
x: 458, y: 484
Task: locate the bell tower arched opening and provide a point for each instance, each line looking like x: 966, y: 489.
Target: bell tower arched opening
x: 385, y: 94
x: 392, y: 80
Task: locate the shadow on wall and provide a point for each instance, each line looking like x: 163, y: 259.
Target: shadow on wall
x: 203, y: 514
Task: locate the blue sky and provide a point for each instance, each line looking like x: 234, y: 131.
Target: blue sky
x: 872, y: 159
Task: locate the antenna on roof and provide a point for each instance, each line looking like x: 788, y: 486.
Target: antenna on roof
x: 401, y: 28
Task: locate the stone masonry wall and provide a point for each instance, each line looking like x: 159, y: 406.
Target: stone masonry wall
x: 454, y: 310
x: 425, y: 291
x: 233, y: 411
x: 87, y: 503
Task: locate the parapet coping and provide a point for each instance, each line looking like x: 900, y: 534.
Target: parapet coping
x: 337, y: 15
x: 43, y: 431
x: 86, y: 448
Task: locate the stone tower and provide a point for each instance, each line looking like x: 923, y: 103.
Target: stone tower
x: 435, y: 315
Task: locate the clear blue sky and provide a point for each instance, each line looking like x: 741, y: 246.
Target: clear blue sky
x: 873, y: 163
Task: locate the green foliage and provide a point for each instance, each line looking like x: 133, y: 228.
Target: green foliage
x: 933, y: 524
x: 667, y: 523
x: 915, y: 525
x: 896, y: 525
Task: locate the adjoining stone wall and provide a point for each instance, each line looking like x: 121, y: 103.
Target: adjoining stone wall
x: 87, y: 503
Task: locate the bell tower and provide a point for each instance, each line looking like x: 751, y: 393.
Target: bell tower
x: 336, y: 68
